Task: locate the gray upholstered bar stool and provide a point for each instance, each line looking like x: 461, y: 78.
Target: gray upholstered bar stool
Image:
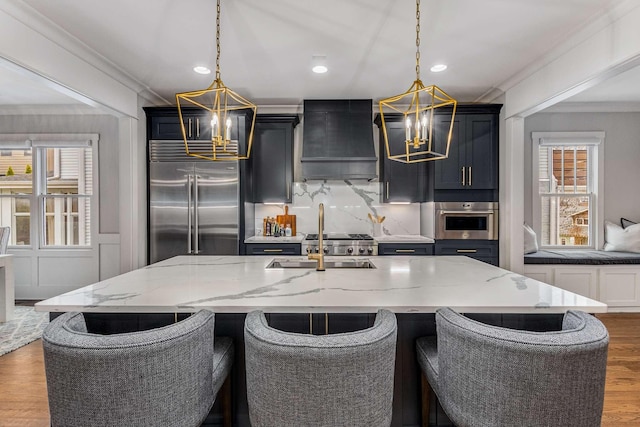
x: 490, y: 376
x: 167, y: 376
x: 327, y: 380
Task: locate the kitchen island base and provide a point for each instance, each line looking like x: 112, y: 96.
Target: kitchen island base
x: 406, y: 404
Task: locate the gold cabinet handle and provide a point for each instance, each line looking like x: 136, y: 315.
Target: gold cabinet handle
x: 405, y: 251
x: 288, y: 190
x: 387, y: 190
x: 466, y: 251
x: 272, y: 250
x: 469, y: 176
x: 198, y: 127
x: 463, y: 176
x: 189, y: 128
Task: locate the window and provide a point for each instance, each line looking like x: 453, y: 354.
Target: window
x: 566, y: 188
x: 46, y: 193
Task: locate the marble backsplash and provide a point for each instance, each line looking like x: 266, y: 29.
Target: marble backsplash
x: 346, y: 208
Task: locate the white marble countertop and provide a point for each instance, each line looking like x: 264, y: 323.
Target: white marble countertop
x: 268, y: 239
x: 403, y: 238
x: 239, y: 284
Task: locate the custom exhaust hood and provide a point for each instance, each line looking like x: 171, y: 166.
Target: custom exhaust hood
x: 338, y: 140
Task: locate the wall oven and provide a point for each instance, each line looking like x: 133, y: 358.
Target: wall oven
x: 466, y: 220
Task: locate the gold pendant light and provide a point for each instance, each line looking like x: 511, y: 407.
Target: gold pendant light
x: 417, y: 105
x: 215, y: 136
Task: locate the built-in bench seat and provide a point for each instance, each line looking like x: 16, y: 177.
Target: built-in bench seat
x: 581, y: 256
x: 610, y: 277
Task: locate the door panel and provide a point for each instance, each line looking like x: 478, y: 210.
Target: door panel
x: 481, y: 155
x: 217, y: 208
x: 168, y: 209
x: 448, y: 172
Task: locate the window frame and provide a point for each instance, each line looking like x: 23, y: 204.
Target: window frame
x: 38, y: 143
x: 595, y: 141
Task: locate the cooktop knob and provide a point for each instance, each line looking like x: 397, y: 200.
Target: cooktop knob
x: 369, y: 251
x: 350, y: 250
x: 361, y: 250
x: 316, y: 250
x: 325, y: 250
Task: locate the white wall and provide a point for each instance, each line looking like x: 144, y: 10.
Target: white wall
x: 29, y: 269
x: 621, y: 150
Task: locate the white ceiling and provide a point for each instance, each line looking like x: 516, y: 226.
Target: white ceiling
x: 267, y: 46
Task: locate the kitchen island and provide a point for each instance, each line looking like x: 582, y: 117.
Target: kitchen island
x: 335, y: 300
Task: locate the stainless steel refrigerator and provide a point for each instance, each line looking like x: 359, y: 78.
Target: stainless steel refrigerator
x: 193, y: 204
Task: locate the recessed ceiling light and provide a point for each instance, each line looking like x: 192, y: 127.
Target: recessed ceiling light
x: 201, y: 70
x: 319, y: 64
x: 438, y: 67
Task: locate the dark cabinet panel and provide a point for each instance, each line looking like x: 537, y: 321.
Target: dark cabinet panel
x: 272, y: 158
x: 473, y: 156
x: 405, y: 248
x: 401, y: 182
x: 273, y: 248
x: 482, y: 250
x: 197, y: 126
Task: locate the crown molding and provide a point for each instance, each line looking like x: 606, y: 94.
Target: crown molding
x: 589, y: 29
x: 594, y: 107
x: 56, y: 34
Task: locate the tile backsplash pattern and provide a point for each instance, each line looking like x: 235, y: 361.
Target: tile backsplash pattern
x: 346, y: 208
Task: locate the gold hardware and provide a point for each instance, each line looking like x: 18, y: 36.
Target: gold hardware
x: 320, y: 255
x: 466, y: 251
x: 311, y: 323
x: 418, y: 103
x: 288, y: 190
x: 219, y: 104
x: 326, y: 323
x: 406, y: 251
x: 387, y: 190
x: 462, y: 172
x: 198, y: 127
x: 272, y: 250
x: 469, y: 176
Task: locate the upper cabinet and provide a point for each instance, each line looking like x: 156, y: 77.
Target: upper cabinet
x: 401, y: 182
x: 473, y: 156
x: 165, y: 124
x: 272, y: 158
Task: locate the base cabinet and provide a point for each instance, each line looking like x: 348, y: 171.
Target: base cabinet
x: 273, y: 248
x: 618, y: 286
x: 405, y: 248
x: 482, y: 250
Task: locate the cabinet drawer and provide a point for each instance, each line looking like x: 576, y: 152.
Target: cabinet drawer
x: 405, y: 249
x: 471, y: 248
x: 273, y: 249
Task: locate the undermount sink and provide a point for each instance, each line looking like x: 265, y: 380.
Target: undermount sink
x: 296, y: 263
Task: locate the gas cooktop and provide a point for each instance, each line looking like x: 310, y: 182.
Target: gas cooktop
x: 341, y: 244
x: 340, y: 236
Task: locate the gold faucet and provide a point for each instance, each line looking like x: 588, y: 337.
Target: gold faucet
x: 320, y: 255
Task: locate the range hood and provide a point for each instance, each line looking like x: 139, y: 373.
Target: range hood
x: 338, y: 140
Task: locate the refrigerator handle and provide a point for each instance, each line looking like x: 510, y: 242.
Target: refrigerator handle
x: 195, y: 215
x: 189, y: 190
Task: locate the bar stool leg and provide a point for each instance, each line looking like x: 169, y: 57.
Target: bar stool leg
x: 226, y: 401
x: 426, y: 399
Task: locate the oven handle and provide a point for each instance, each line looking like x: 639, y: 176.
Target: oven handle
x: 467, y: 212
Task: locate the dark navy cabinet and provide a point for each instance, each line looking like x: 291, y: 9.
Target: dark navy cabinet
x: 272, y: 158
x: 165, y: 124
x: 482, y: 250
x: 272, y: 248
x: 401, y: 182
x: 405, y: 248
x: 470, y: 173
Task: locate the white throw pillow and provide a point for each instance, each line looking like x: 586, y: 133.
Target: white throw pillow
x: 530, y: 241
x: 621, y: 239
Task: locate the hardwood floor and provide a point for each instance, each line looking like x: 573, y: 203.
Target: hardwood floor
x: 24, y: 392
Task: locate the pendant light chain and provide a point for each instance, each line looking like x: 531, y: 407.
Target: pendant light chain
x: 218, y: 41
x: 417, y: 39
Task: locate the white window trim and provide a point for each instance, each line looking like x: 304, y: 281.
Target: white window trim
x: 59, y: 140
x: 595, y: 138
